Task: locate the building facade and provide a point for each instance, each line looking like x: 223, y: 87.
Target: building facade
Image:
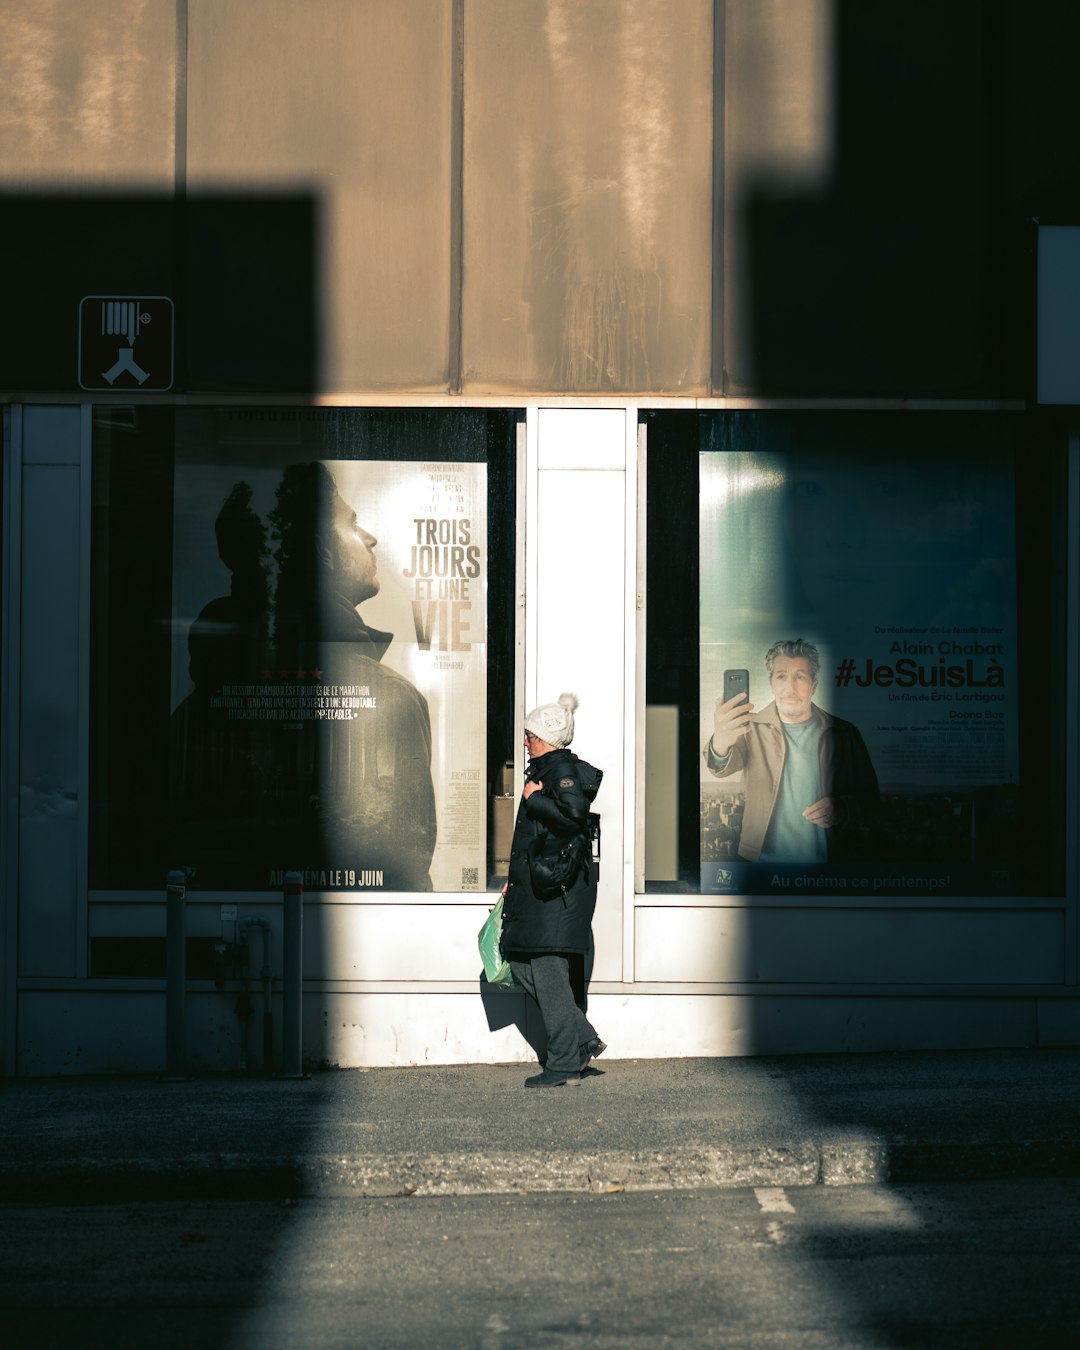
x: 640, y: 335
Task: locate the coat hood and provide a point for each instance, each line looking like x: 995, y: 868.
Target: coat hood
x: 589, y: 776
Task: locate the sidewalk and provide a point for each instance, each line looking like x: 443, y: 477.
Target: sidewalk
x: 636, y: 1124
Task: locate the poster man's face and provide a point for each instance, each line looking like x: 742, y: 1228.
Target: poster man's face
x: 354, y: 554
x: 792, y: 688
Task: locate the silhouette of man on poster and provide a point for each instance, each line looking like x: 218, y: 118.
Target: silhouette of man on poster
x: 355, y: 788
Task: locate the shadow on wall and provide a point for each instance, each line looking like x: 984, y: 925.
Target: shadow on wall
x: 901, y: 266
x: 906, y: 269
x: 242, y: 271
x: 901, y: 269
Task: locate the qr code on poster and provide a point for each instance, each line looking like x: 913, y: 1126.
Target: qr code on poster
x: 470, y: 876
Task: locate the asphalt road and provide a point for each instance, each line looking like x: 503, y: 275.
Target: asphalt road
x: 959, y: 1264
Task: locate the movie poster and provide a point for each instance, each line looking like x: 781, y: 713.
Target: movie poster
x: 329, y: 665
x: 881, y: 757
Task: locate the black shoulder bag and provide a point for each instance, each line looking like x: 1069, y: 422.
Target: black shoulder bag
x: 556, y: 861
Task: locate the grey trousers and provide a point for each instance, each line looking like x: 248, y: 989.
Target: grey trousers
x: 546, y: 980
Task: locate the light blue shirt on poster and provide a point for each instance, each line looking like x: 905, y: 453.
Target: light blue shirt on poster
x: 791, y: 837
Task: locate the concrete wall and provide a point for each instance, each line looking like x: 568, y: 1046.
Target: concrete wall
x: 673, y: 197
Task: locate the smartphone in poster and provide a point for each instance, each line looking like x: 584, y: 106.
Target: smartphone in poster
x: 873, y: 602
x: 329, y: 666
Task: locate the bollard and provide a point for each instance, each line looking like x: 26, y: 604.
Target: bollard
x: 292, y: 993
x: 175, y: 977
x: 267, y: 977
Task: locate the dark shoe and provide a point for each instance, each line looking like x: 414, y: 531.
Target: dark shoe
x: 549, y: 1078
x: 591, y: 1050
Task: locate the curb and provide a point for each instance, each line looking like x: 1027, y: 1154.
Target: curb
x: 244, y: 1176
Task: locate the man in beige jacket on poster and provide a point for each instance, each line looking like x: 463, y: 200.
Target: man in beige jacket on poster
x: 810, y: 787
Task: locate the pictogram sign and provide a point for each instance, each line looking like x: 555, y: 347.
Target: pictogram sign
x: 126, y: 343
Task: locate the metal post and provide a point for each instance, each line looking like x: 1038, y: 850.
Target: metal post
x: 268, y: 1003
x: 292, y: 1001
x: 175, y: 977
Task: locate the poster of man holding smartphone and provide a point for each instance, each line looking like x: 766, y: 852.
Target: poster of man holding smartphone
x: 811, y: 794
x: 858, y: 641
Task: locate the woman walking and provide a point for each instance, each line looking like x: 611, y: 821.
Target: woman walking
x: 551, y: 892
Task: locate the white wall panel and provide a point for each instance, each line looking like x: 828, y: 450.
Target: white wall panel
x: 846, y: 946
x: 578, y: 604
x: 69, y: 1032
x: 49, y: 693
x: 98, y: 1031
x: 392, y: 942
x: 688, y: 1025
x: 1059, y: 1021
x: 375, y: 1029
x: 582, y: 438
x: 1058, y: 336
x: 73, y: 1032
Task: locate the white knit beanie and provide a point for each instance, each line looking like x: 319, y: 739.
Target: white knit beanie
x: 554, y: 722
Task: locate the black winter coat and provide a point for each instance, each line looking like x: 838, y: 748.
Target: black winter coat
x: 532, y: 925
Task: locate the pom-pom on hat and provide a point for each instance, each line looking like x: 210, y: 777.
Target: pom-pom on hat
x: 554, y: 722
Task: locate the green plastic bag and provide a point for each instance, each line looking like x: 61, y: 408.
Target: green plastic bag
x: 496, y: 969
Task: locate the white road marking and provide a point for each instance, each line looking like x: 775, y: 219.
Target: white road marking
x: 778, y: 1234
x: 773, y: 1200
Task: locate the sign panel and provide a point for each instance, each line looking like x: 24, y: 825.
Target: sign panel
x: 126, y: 343
x: 869, y: 604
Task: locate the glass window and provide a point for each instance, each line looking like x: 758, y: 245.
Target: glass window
x: 303, y: 637
x: 838, y: 670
